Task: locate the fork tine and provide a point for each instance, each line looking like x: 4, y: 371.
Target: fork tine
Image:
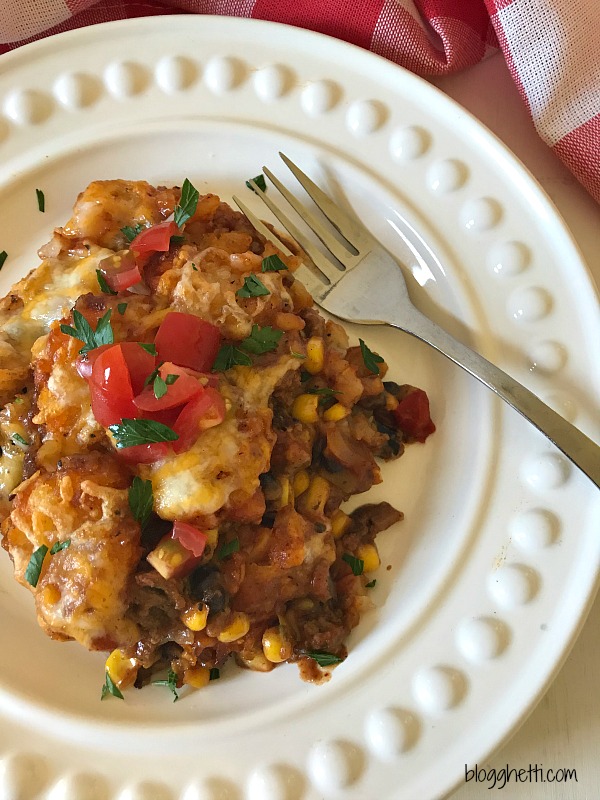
x: 261, y: 227
x: 351, y: 229
x: 340, y: 251
x: 315, y: 286
x: 324, y: 265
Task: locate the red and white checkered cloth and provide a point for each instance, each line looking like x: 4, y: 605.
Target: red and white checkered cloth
x: 552, y: 47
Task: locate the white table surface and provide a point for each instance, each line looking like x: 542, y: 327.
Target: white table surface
x: 563, y: 731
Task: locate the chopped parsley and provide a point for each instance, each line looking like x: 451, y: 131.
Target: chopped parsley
x: 141, y: 500
x: 214, y: 674
x: 83, y: 331
x: 262, y: 340
x: 131, y: 432
x: 371, y: 584
x: 259, y: 181
x: 34, y: 568
x: 110, y: 687
x: 121, y: 308
x: 253, y: 287
x: 58, y: 546
x: 323, y: 658
x: 187, y: 203
x: 170, y: 379
x: 230, y: 356
x: 357, y: 565
x: 19, y: 440
x: 3, y: 257
x: 324, y: 391
x: 159, y: 387
x: 228, y: 548
x: 272, y: 264
x: 370, y: 358
x: 131, y: 231
x: 149, y: 348
x: 41, y: 200
x: 177, y: 240
x: 171, y: 683
x: 104, y: 287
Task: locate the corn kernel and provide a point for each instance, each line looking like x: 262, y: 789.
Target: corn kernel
x: 370, y: 557
x: 276, y: 646
x: 238, y: 627
x: 336, y: 412
x: 315, y: 355
x: 197, y: 677
x: 340, y: 522
x: 195, y: 617
x: 304, y: 408
x: 122, y: 670
x: 287, y: 495
x: 316, y: 495
x: 301, y: 482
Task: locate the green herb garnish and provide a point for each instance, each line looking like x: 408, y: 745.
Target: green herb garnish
x: 110, y: 687
x: 177, y: 240
x: 121, y: 308
x: 149, y: 348
x: 228, y: 357
x: 18, y: 439
x: 187, y: 203
x: 3, y: 257
x: 323, y: 658
x: 171, y: 683
x: 253, y: 287
x: 259, y: 181
x: 131, y: 432
x: 170, y: 379
x: 141, y: 500
x: 261, y: 340
x: 214, y: 674
x: 324, y: 391
x: 104, y: 287
x: 357, y: 565
x: 41, y: 200
x: 272, y: 264
x: 371, y: 584
x: 83, y: 331
x: 131, y: 231
x: 370, y: 358
x: 58, y: 546
x: 227, y: 549
x: 34, y: 568
x: 159, y: 387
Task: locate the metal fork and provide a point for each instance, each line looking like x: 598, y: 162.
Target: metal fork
x: 368, y: 287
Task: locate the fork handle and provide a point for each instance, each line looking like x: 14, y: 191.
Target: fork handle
x: 581, y: 450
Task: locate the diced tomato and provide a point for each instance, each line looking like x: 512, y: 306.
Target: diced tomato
x: 144, y: 453
x: 156, y: 239
x: 412, y: 415
x: 202, y: 412
x: 120, y: 271
x: 171, y: 559
x: 178, y: 393
x: 84, y: 363
x: 110, y: 387
x: 139, y: 362
x: 188, y: 341
x: 190, y: 537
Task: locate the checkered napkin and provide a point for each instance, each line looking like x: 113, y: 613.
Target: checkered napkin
x: 552, y: 47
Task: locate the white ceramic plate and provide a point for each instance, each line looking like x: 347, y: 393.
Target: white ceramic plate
x: 493, y: 569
